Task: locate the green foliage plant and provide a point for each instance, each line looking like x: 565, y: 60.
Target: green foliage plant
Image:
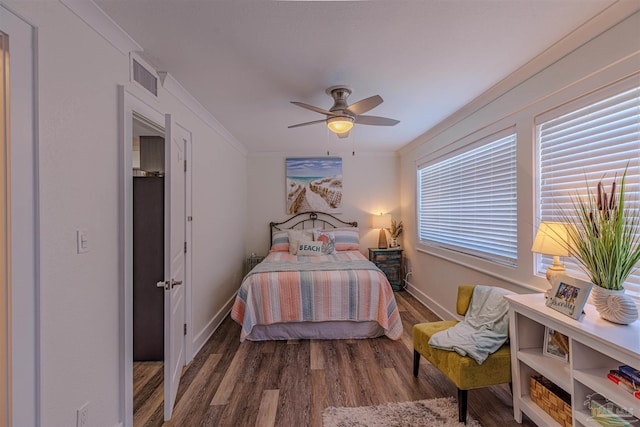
x: 603, y: 235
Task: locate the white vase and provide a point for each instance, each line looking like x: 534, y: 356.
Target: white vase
x: 614, y: 306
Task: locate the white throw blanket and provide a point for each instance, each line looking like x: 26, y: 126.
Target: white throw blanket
x: 485, y: 327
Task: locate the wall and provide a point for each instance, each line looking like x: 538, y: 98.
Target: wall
x: 79, y: 168
x: 613, y: 55
x: 370, y: 185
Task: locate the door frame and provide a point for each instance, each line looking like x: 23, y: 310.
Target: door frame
x: 25, y: 403
x: 129, y: 104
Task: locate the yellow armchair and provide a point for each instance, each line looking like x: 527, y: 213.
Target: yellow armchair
x: 463, y: 371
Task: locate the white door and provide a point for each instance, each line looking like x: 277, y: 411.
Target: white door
x: 174, y: 293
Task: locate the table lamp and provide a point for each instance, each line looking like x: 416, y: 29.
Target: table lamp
x: 551, y: 239
x: 382, y: 221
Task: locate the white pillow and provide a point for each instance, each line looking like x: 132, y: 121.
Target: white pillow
x: 308, y: 247
x: 297, y: 235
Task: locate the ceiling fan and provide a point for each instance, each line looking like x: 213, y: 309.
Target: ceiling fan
x: 341, y: 117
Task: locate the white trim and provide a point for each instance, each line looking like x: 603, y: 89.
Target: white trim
x: 343, y: 154
x: 173, y: 87
x: 430, y: 303
x: 201, y: 339
x: 101, y: 23
x: 614, y: 14
x: 128, y: 103
x: 26, y: 343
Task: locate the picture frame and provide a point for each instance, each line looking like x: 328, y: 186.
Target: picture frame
x: 313, y: 184
x: 556, y: 345
x: 568, y: 295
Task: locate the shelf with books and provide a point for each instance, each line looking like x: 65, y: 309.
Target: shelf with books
x: 595, y: 348
x: 591, y: 369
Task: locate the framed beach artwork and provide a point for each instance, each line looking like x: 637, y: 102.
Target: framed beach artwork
x: 314, y: 184
x: 568, y: 295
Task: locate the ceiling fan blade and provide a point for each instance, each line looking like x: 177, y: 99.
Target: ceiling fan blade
x: 343, y: 135
x: 307, y: 123
x: 376, y: 121
x: 365, y: 105
x: 312, y: 108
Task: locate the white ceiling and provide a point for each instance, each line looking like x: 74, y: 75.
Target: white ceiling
x: 245, y: 60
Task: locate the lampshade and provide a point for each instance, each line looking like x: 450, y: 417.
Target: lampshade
x: 340, y: 124
x: 551, y: 239
x: 381, y: 221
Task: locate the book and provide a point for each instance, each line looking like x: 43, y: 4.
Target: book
x: 608, y: 414
x: 632, y: 373
x: 625, y: 382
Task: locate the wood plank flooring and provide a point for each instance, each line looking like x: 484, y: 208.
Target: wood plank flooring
x: 290, y: 383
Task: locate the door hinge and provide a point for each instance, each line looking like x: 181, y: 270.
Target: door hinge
x: 185, y: 329
x: 185, y: 247
x: 185, y: 165
x: 189, y: 218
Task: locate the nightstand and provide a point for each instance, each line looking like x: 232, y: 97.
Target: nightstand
x: 390, y: 262
x: 251, y: 262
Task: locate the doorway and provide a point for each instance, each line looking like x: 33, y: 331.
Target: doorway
x: 177, y: 238
x: 148, y: 172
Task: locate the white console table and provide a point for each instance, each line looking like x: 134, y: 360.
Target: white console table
x: 595, y: 347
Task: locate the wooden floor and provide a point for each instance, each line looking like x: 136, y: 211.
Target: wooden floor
x: 289, y: 383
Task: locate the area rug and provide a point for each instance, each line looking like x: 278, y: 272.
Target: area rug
x: 432, y: 413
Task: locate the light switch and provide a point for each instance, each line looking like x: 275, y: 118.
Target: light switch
x: 82, y: 241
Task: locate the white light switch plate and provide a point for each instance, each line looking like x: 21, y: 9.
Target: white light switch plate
x: 82, y: 239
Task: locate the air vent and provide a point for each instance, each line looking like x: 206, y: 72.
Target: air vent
x: 145, y: 78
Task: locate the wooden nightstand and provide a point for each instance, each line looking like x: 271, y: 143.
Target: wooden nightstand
x: 390, y: 262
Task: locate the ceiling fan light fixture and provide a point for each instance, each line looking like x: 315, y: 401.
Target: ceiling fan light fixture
x: 340, y: 124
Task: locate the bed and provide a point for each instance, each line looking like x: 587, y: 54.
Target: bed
x: 298, y: 293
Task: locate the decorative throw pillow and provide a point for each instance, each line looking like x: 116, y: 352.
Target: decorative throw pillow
x: 347, y: 239
x: 309, y: 247
x: 328, y: 241
x: 280, y: 241
x: 297, y: 235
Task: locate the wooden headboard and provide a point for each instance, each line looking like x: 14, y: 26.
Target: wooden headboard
x: 305, y: 220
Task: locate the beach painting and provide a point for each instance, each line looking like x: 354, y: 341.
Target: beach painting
x: 314, y: 184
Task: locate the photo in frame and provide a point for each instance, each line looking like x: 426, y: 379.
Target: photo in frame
x: 555, y: 345
x: 568, y: 295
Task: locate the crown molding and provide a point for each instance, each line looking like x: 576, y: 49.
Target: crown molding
x: 173, y: 87
x: 600, y: 23
x: 101, y: 23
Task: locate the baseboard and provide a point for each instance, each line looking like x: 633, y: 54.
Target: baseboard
x: 201, y: 339
x: 428, y: 302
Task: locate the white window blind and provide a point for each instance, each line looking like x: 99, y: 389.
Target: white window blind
x: 467, y: 202
x: 579, y: 148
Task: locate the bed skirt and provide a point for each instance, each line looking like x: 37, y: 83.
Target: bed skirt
x: 330, y: 330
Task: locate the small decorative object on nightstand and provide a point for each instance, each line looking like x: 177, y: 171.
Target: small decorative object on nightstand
x: 252, y: 261
x: 390, y: 262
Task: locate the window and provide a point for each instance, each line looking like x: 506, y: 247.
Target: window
x: 582, y: 143
x: 467, y: 201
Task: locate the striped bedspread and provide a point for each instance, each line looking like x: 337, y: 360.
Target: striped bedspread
x: 289, y: 288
